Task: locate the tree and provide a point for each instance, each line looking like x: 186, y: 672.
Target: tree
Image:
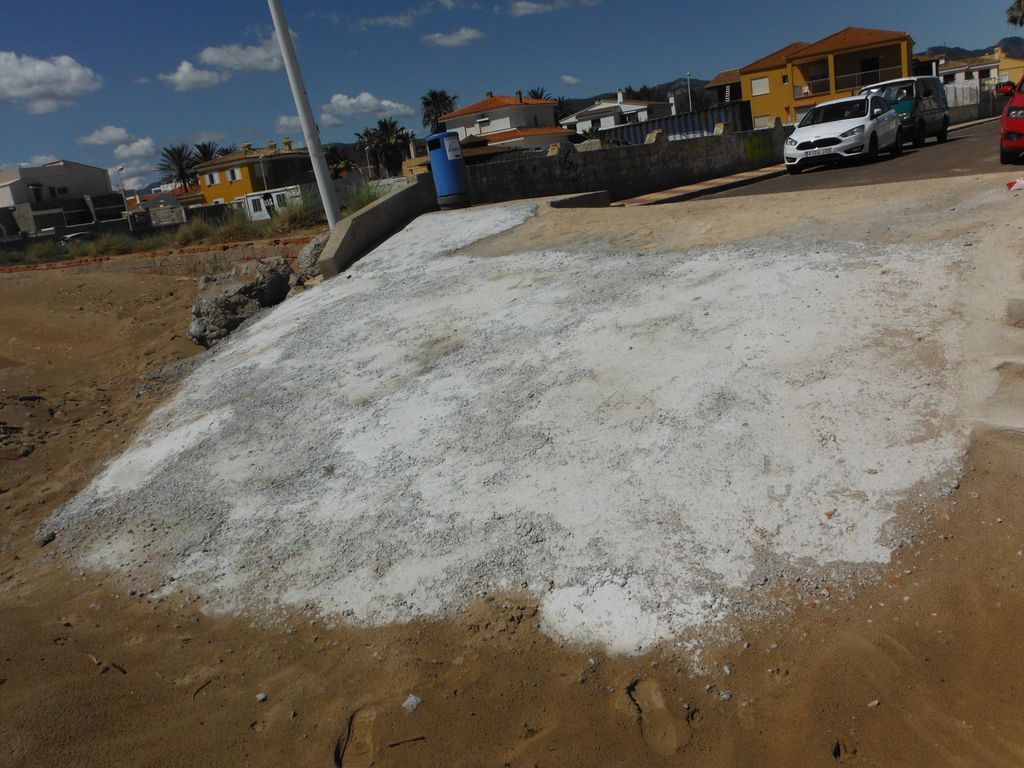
x: 207, y: 150
x: 538, y: 93
x: 434, y: 105
x: 227, y: 149
x: 1015, y: 13
x: 563, y: 108
x: 177, y: 163
x: 387, y: 144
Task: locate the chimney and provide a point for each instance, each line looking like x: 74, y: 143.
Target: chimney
x: 246, y: 146
x: 490, y: 94
x: 519, y: 96
x: 287, y: 143
x: 271, y: 145
x: 621, y: 97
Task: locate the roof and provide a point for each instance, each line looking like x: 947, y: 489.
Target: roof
x: 851, y: 37
x: 977, y: 61
x: 244, y: 155
x: 497, y: 102
x: 775, y: 60
x: 603, y: 106
x: 724, y: 77
x: 522, y: 133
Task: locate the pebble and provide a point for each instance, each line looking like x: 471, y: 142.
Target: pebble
x: 874, y: 703
x: 725, y: 695
x: 411, y: 703
x: 261, y: 697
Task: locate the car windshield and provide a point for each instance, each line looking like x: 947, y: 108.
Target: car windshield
x: 831, y: 113
x: 894, y: 93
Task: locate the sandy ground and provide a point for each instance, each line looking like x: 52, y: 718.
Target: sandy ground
x: 914, y: 665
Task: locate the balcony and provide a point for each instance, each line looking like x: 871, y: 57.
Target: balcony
x: 856, y: 81
x: 813, y: 88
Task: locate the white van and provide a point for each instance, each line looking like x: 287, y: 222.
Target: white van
x: 920, y: 103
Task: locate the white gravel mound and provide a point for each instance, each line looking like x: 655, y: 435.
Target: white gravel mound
x: 635, y: 438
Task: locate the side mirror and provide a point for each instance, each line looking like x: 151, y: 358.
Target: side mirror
x: 878, y: 112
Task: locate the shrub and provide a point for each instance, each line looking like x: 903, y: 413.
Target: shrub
x: 44, y: 251
x: 307, y: 215
x: 363, y: 196
x: 196, y: 231
x: 237, y: 227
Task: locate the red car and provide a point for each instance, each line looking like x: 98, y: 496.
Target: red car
x: 1005, y: 89
x: 1011, y: 142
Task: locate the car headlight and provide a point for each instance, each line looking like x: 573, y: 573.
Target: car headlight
x: 852, y: 132
x: 790, y: 142
x: 1016, y: 112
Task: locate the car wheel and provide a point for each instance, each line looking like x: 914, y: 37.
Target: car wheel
x: 873, y: 148
x: 897, y: 146
x: 943, y: 134
x: 1005, y: 157
x: 919, y: 135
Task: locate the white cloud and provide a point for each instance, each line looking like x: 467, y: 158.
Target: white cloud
x: 241, y: 58
x: 40, y: 160
x: 403, y: 20
x: 365, y: 104
x: 448, y: 5
x: 459, y: 37
x: 208, y: 136
x: 328, y: 119
x: 528, y: 7
x: 137, y: 148
x: 133, y: 174
x: 570, y: 80
x: 108, y: 134
x: 141, y: 81
x: 44, y: 85
x: 188, y: 78
x: 288, y: 123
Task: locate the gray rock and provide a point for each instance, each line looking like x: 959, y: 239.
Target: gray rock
x: 261, y: 697
x: 411, y: 703
x: 309, y: 256
x: 45, y: 537
x: 226, y: 301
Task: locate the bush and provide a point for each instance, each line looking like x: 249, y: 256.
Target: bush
x: 363, y: 196
x: 44, y: 251
x: 305, y: 216
x: 237, y: 227
x: 196, y: 231
x: 12, y: 257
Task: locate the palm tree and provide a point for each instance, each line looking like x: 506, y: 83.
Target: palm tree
x: 434, y: 105
x: 563, y: 108
x: 1015, y: 13
x: 538, y: 93
x: 176, y: 163
x: 227, y: 149
x: 207, y: 150
x: 387, y: 143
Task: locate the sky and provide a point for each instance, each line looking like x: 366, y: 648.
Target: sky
x: 111, y: 88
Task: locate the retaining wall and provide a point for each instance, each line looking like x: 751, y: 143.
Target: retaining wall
x: 627, y: 171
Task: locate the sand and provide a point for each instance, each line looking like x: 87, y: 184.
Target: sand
x: 97, y: 676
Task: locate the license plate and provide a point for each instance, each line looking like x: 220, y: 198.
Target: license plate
x: 819, y: 152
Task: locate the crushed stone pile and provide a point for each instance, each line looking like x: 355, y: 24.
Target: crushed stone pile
x: 637, y: 439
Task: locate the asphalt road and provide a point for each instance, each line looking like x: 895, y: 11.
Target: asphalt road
x: 970, y: 151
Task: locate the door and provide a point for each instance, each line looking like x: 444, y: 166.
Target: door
x: 869, y: 70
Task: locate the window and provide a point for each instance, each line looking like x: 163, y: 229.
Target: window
x: 212, y: 178
x: 760, y: 86
x: 53, y: 191
x: 282, y: 200
x: 785, y: 79
x: 948, y: 78
x: 968, y: 76
x: 985, y: 74
x: 234, y: 174
x: 257, y: 206
x: 62, y: 190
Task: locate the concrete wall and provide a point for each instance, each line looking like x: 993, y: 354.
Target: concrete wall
x: 626, y: 171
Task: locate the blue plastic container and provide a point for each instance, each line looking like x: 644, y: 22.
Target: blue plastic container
x: 449, y: 169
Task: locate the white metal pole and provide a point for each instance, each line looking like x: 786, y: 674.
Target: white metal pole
x: 309, y: 126
x: 689, y: 96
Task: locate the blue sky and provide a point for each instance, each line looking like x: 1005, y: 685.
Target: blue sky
x: 110, y: 88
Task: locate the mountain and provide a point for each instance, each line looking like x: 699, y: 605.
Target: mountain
x: 1013, y: 46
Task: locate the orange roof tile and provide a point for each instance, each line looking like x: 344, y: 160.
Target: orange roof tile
x: 851, y: 37
x: 495, y: 102
x: 521, y: 133
x: 775, y: 60
x: 724, y: 77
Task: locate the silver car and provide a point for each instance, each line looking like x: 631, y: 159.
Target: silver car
x: 855, y: 127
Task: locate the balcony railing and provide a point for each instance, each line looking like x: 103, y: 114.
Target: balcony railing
x: 813, y: 88
x: 858, y: 80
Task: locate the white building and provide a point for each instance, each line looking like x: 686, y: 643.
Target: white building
x: 608, y: 113
x: 983, y: 71
x: 509, y: 121
x: 57, y: 194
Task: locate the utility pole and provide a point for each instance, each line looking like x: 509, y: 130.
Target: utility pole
x: 689, y: 95
x: 309, y: 126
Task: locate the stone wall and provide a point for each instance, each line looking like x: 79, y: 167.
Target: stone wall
x: 627, y: 171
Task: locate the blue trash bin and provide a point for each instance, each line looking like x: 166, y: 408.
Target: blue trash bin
x: 449, y: 169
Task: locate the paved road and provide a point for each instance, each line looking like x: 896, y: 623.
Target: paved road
x: 971, y: 151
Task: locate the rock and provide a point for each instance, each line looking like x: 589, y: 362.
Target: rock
x: 309, y: 256
x: 725, y: 695
x: 412, y: 703
x: 45, y: 537
x: 261, y: 697
x: 227, y: 300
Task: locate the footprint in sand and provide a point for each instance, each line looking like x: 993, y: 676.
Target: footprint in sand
x: 656, y: 724
x: 355, y: 748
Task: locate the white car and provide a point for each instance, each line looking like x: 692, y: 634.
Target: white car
x: 857, y: 127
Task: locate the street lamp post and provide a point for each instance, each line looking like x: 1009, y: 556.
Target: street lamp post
x: 309, y: 126
x: 689, y: 95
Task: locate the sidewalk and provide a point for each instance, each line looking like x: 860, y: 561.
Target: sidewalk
x: 688, y: 191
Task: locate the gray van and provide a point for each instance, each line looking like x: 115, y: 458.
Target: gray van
x: 921, y: 104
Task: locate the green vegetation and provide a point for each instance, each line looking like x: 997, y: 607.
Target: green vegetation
x: 362, y: 197
x: 388, y: 143
x: 1015, y: 13
x: 434, y: 105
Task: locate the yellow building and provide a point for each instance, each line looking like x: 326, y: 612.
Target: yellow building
x: 1009, y: 68
x: 229, y: 177
x: 784, y: 85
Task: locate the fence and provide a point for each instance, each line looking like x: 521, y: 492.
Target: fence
x: 689, y: 125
